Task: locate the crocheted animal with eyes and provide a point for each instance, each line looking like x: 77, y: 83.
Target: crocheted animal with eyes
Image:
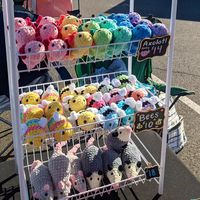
x: 68, y: 30
x: 105, y: 86
x: 45, y: 20
x: 112, y: 166
x: 118, y: 138
x: 131, y: 159
x: 119, y: 17
x: 32, y: 97
x: 68, y: 19
x: 86, y: 119
x: 90, y: 25
x: 149, y: 103
x: 51, y: 94
x: 137, y: 94
x: 134, y: 18
x: 95, y: 100
x: 159, y: 29
x: 60, y: 167
x: 67, y: 91
x: 91, y: 161
x: 34, y: 131
x: 61, y: 127
x: 41, y: 181
x: 108, y: 24
x: 76, y: 176
x: 19, y: 22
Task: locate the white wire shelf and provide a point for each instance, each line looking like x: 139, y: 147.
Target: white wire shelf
x: 44, y: 153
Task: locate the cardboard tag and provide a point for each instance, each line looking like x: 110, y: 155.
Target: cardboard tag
x: 151, y: 47
x: 149, y: 120
x: 152, y: 171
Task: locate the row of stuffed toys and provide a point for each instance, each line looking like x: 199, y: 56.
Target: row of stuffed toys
x: 107, y: 104
x: 111, y: 33
x: 69, y: 174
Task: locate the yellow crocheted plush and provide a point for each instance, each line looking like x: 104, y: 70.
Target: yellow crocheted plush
x: 67, y: 91
x: 91, y: 89
x: 34, y: 131
x: 68, y: 30
x: 51, y: 107
x: 69, y: 19
x: 51, y: 94
x: 60, y: 123
x: 31, y: 97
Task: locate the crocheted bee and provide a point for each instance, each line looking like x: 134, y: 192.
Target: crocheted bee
x: 51, y: 107
x: 91, y: 88
x: 41, y: 181
x: 31, y: 97
x: 91, y: 161
x: 51, y: 94
x: 28, y: 112
x: 34, y: 130
x: 67, y: 91
x: 105, y: 86
x: 75, y: 103
x: 59, y: 123
x: 86, y: 119
x: 95, y: 100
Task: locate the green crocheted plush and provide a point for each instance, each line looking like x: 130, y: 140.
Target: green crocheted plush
x: 90, y: 25
x: 108, y: 24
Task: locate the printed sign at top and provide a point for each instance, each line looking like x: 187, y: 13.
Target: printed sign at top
x: 149, y: 120
x: 151, y: 47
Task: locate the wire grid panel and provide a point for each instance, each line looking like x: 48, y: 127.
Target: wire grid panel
x: 45, y: 152
x: 82, y: 55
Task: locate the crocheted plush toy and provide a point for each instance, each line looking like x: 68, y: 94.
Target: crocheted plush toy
x: 51, y: 107
x: 129, y: 106
x: 28, y: 112
x: 90, y: 25
x: 77, y: 40
x: 24, y: 35
x: 51, y: 94
x: 109, y: 117
x: 91, y: 88
x: 127, y: 24
x: 59, y: 167
x: 35, y: 53
x: 41, y: 181
x: 95, y: 100
x: 59, y: 123
x: 118, y: 138
x: 86, y: 119
x: 91, y: 161
x: 134, y: 18
x: 131, y: 159
x: 67, y: 91
x: 105, y: 86
x: 68, y: 30
x: 101, y: 37
x: 76, y: 176
x: 112, y: 166
x: 137, y: 94
x: 108, y: 24
x: 45, y: 20
x: 31, y: 97
x: 68, y: 19
x: 115, y: 95
x: 120, y: 35
x: 146, y: 22
x: 119, y: 17
x: 149, y: 103
x: 139, y: 33
x: 99, y: 18
x: 19, y: 22
x: 58, y: 50
x: 159, y: 29
x: 123, y: 80
x: 34, y: 130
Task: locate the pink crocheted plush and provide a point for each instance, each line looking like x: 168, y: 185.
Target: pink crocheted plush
x: 24, y: 35
x: 95, y: 100
x: 35, y: 49
x: 19, y: 22
x: 44, y: 20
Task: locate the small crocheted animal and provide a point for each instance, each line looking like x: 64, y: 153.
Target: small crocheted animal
x: 118, y: 138
x: 68, y: 30
x: 108, y: 24
x: 67, y: 91
x: 131, y: 159
x: 59, y: 167
x: 91, y: 88
x: 76, y: 176
x: 31, y: 97
x: 91, y: 161
x: 112, y: 166
x: 159, y: 29
x: 50, y: 94
x: 41, y: 181
x: 19, y: 22
x: 68, y: 19
x: 34, y: 131
x: 146, y: 22
x: 119, y: 17
x: 45, y: 20
x: 95, y: 100
x: 149, y: 103
x: 105, y: 86
x: 134, y: 18
x: 61, y: 127
x: 90, y: 25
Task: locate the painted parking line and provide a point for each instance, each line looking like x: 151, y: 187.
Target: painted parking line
x: 184, y: 99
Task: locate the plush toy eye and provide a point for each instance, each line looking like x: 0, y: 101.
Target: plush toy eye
x: 39, y: 45
x: 119, y: 29
x: 37, y: 100
x: 63, y: 46
x: 120, y: 132
x: 129, y: 166
x: 49, y: 107
x: 29, y: 49
x: 74, y: 101
x: 156, y: 26
x: 53, y: 45
x: 27, y: 100
x: 55, y: 29
x: 86, y: 25
x: 44, y: 27
x: 83, y: 180
x: 54, y: 100
x: 131, y: 18
x: 19, y: 31
x: 41, y: 140
x: 98, y: 179
x: 76, y: 20
x: 45, y: 18
x: 58, y: 109
x: 94, y: 118
x: 91, y: 178
x: 110, y: 124
x: 129, y: 118
x: 55, y: 198
x: 79, y: 35
x: 65, y: 28
x: 85, y: 121
x: 61, y: 193
x: 63, y: 133
x: 67, y: 89
x: 31, y: 143
x: 46, y: 194
x: 138, y: 28
x: 104, y: 22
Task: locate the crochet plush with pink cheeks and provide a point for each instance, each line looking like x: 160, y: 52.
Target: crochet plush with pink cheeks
x: 35, y: 49
x: 58, y: 50
x: 45, y: 20
x: 95, y: 100
x: 19, y: 22
x: 24, y: 35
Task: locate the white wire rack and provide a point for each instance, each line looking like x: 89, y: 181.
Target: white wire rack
x: 124, y: 50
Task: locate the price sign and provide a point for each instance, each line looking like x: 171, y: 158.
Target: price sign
x: 152, y: 172
x: 151, y: 47
x: 149, y: 120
